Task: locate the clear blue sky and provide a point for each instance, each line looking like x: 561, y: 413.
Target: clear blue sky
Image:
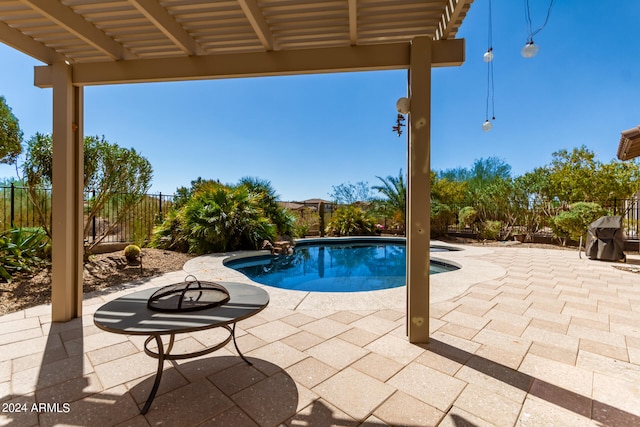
x: 306, y: 134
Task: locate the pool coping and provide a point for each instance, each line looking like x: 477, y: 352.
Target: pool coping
x: 444, y: 286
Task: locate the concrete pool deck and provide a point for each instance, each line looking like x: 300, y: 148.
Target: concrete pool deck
x: 533, y: 337
x: 443, y: 286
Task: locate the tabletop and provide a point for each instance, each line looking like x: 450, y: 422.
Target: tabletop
x: 130, y: 315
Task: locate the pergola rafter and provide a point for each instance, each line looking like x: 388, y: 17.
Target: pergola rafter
x: 159, y: 16
x: 70, y: 21
x: 259, y: 25
x: 451, y: 19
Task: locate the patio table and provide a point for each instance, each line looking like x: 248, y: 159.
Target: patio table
x: 130, y: 315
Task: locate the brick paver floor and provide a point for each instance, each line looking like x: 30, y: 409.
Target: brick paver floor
x: 553, y: 340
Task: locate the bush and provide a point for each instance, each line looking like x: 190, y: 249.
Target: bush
x: 441, y: 216
x: 574, y: 223
x: 491, y: 230
x: 132, y: 252
x: 21, y: 249
x: 467, y: 216
x: 216, y: 218
x: 352, y: 221
x: 169, y: 234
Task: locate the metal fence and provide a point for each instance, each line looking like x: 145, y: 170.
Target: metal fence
x: 20, y: 209
x: 629, y: 209
x: 17, y: 209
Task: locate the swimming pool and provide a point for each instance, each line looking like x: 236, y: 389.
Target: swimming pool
x: 335, y: 266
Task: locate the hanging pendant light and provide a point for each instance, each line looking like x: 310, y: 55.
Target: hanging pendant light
x: 488, y: 58
x: 530, y: 49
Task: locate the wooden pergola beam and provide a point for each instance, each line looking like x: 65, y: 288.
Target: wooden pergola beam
x: 276, y: 63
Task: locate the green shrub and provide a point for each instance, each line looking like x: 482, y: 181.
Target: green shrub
x: 216, y: 218
x: 467, y: 216
x: 574, y: 223
x: 132, y: 252
x: 351, y: 221
x: 169, y: 234
x: 491, y: 230
x: 21, y: 249
x: 441, y: 216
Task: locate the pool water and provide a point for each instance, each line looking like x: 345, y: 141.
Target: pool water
x: 333, y: 268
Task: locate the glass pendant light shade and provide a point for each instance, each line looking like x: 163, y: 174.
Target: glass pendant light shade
x: 529, y: 50
x: 403, y: 105
x: 486, y: 126
x: 488, y: 56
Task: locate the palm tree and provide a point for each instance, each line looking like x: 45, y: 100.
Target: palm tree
x: 395, y: 191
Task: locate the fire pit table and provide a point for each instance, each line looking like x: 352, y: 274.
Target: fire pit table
x: 134, y: 314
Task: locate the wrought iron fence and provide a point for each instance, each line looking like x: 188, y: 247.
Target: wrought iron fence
x: 17, y: 209
x: 538, y: 219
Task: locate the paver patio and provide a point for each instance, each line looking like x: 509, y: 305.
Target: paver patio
x: 520, y: 337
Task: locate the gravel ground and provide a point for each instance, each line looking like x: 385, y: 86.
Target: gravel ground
x: 100, y: 272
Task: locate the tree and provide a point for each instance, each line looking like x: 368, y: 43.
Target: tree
x: 111, y: 172
x: 578, y: 176
x: 395, y: 193
x: 349, y: 193
x: 447, y: 191
x: 10, y: 134
x: 267, y: 199
x: 575, y: 222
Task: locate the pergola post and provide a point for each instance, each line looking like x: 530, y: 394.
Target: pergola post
x: 67, y: 196
x: 418, y: 191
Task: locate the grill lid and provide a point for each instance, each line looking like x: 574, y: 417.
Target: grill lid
x: 190, y: 295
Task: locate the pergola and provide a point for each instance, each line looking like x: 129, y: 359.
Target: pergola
x: 629, y: 145
x: 98, y: 42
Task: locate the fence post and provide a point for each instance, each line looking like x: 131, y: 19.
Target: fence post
x: 13, y: 213
x: 160, y: 206
x: 93, y: 219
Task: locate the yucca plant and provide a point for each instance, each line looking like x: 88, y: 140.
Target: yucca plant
x: 21, y: 249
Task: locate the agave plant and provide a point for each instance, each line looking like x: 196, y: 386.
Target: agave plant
x: 21, y: 249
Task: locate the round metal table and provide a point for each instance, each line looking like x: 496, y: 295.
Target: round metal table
x: 130, y: 315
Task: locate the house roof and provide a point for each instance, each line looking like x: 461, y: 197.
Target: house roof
x: 629, y: 146
x: 103, y: 32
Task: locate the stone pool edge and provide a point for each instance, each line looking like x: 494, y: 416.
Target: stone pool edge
x: 444, y: 286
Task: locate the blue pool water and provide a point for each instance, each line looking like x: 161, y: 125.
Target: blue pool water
x: 349, y: 267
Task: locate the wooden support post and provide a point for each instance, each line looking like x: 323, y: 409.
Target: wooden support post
x: 418, y: 191
x: 67, y: 196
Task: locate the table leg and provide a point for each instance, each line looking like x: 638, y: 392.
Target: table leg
x: 233, y: 334
x: 156, y: 383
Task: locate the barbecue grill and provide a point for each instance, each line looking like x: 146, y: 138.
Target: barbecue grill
x: 605, y: 239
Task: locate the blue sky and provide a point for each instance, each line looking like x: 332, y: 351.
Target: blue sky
x: 306, y: 134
